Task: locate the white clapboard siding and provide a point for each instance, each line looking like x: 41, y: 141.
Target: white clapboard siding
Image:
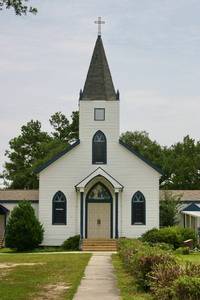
x: 70, y: 169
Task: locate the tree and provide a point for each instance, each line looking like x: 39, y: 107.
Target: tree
x: 74, y: 126
x: 23, y: 231
x: 63, y: 129
x: 19, y: 6
x: 182, y: 165
x: 33, y: 147
x: 169, y: 208
x: 141, y: 142
x: 24, y: 150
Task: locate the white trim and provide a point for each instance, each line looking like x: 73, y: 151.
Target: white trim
x: 99, y: 172
x: 192, y: 213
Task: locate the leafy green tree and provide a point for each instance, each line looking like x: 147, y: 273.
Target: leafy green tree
x: 182, y: 165
x: 63, y: 129
x: 23, y: 231
x: 74, y: 126
x: 169, y: 208
x: 141, y: 142
x: 24, y: 150
x: 19, y: 6
x: 33, y: 147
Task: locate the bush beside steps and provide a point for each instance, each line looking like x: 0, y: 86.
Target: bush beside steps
x: 72, y: 243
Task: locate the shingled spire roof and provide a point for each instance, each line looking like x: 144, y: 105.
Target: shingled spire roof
x: 98, y: 84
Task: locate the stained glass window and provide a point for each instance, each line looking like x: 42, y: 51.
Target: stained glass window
x: 99, y: 192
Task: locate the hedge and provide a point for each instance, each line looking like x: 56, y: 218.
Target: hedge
x: 159, y: 271
x: 174, y: 236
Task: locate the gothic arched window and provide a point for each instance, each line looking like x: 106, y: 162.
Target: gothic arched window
x: 59, y: 209
x: 138, y: 209
x: 99, y: 152
x: 99, y: 192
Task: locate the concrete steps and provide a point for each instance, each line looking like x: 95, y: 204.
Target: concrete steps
x: 99, y: 245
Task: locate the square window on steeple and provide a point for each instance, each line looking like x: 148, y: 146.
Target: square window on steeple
x: 99, y: 114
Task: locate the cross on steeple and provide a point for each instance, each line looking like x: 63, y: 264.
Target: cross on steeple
x: 99, y: 22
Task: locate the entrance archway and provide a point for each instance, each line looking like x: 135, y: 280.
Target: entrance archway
x: 99, y: 213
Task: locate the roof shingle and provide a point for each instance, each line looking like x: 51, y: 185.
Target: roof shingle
x: 98, y: 84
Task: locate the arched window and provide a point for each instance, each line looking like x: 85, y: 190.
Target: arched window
x: 59, y: 209
x: 138, y: 209
x: 99, y: 192
x: 99, y: 148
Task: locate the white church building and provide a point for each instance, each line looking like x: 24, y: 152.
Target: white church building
x: 98, y: 187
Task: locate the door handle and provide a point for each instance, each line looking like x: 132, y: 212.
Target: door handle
x: 98, y: 221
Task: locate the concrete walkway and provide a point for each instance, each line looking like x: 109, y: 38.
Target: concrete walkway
x: 99, y: 282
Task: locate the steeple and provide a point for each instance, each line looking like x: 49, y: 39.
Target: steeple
x: 99, y: 84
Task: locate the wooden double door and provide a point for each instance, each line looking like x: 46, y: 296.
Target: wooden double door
x: 99, y: 219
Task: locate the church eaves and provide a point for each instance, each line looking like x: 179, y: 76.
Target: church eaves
x: 99, y: 84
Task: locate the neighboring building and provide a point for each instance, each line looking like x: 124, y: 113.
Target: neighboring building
x: 189, y: 208
x: 98, y: 187
x: 10, y: 198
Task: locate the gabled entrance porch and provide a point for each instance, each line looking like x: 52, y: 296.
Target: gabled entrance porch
x: 99, y: 206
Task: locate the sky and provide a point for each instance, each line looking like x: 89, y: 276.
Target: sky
x: 152, y: 47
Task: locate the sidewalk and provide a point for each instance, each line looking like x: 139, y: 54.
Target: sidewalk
x: 99, y: 282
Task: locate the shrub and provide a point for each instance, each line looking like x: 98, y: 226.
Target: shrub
x: 140, y: 258
x: 183, y: 250
x: 169, y: 208
x: 163, y: 246
x: 144, y: 262
x: 170, y: 235
x: 163, y: 278
x: 187, y: 288
x: 72, y: 243
x: 23, y: 231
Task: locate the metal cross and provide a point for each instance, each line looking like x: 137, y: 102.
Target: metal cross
x: 99, y: 22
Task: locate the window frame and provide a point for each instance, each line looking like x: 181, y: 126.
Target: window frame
x: 133, y: 210
x: 53, y: 209
x: 94, y: 162
x: 104, y: 113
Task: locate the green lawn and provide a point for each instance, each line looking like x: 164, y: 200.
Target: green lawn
x: 193, y: 258
x: 55, y: 275
x: 126, y: 283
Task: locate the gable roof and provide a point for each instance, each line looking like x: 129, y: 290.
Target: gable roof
x: 192, y: 207
x: 99, y: 172
x: 98, y: 84
x: 56, y: 157
x: 132, y: 150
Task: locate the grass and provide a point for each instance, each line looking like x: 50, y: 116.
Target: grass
x: 126, y: 283
x: 37, y: 250
x: 193, y: 258
x: 27, y: 282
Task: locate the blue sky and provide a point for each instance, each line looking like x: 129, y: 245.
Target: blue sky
x: 153, y: 51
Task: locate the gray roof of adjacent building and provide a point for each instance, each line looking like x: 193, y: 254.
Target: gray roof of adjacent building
x: 17, y: 195
x: 186, y: 195
x: 99, y: 84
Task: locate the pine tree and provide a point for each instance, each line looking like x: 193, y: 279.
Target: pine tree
x: 23, y: 231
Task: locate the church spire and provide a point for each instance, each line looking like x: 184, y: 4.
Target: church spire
x: 98, y: 84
